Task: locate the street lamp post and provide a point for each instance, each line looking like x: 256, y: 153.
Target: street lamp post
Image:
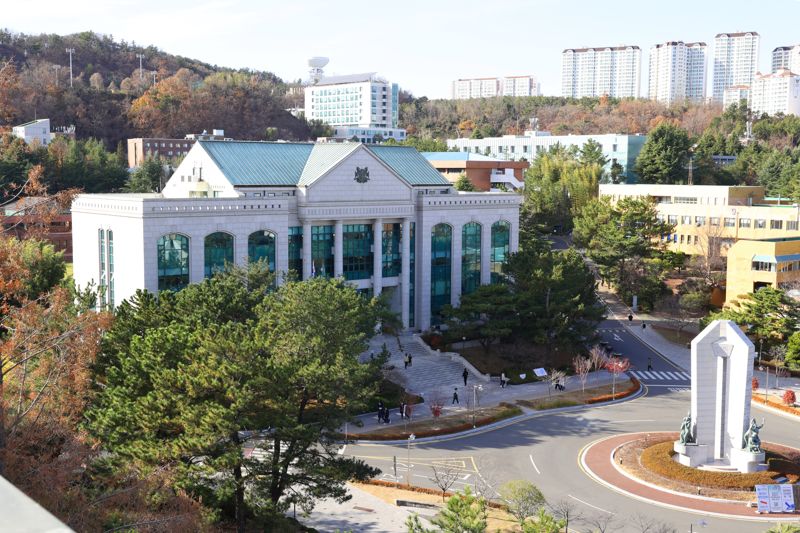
x: 56, y: 68
x: 141, y: 72
x: 408, y: 463
x: 70, y: 51
x: 475, y: 389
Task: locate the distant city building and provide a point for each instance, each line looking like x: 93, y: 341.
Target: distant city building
x: 143, y: 148
x: 776, y: 93
x: 735, y: 95
x: 484, y: 172
x: 19, y: 218
x: 677, y: 72
x: 491, y: 87
x: 34, y: 131
x: 786, y: 57
x: 620, y: 149
x: 356, y: 103
x: 735, y: 61
x: 612, y: 71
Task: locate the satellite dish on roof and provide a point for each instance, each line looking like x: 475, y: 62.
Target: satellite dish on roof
x: 318, y: 62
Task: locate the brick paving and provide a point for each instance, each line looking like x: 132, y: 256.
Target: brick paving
x: 597, y: 460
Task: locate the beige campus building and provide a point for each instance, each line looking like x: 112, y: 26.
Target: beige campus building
x: 753, y: 264
x: 709, y: 219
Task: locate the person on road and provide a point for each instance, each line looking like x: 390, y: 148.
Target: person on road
x: 465, y: 375
x: 380, y: 411
x: 644, y: 326
x: 630, y: 318
x: 455, y: 396
x: 402, y: 409
x: 406, y: 361
x: 649, y: 363
x: 503, y: 380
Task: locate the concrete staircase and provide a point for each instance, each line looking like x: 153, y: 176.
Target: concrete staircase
x: 428, y: 374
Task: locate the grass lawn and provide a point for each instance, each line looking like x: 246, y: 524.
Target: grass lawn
x: 572, y: 397
x: 673, y: 335
x: 445, y: 423
x: 516, y: 359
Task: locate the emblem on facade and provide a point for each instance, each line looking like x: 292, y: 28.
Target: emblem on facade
x: 362, y: 174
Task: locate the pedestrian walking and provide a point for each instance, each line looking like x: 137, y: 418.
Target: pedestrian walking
x: 402, y: 410
x: 455, y: 396
x: 410, y: 360
x: 630, y: 318
x: 649, y: 363
x: 465, y: 375
x: 372, y: 356
x: 503, y: 380
x: 644, y: 326
x: 386, y: 416
x: 380, y: 411
x: 406, y: 362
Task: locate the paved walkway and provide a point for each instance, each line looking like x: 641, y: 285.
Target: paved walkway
x: 597, y: 460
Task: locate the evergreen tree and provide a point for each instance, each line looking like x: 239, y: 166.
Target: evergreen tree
x: 148, y: 177
x: 664, y: 155
x: 464, y: 184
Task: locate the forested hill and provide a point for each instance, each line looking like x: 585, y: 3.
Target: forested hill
x: 112, y: 100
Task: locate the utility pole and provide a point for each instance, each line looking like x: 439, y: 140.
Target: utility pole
x: 70, y: 51
x: 141, y: 72
x: 154, y: 77
x: 56, y: 68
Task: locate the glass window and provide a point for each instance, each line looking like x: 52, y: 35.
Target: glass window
x: 501, y: 235
x: 763, y: 266
x: 101, y: 245
x: 261, y: 247
x: 357, y: 260
x: 761, y: 223
x: 322, y: 251
x: 296, y: 249
x: 391, y: 250
x: 686, y: 219
x: 441, y: 259
x: 776, y: 224
x: 411, y: 270
x: 672, y: 219
x: 470, y: 257
x: 700, y: 221
x: 218, y: 251
x: 110, y: 239
x: 729, y: 222
x: 744, y: 222
x: 791, y: 225
x: 173, y: 262
x: 714, y: 221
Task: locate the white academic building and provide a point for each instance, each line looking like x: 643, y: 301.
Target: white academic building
x: 35, y: 131
x: 381, y: 217
x: 677, y: 72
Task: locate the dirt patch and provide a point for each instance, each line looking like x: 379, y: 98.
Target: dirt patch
x: 674, y: 336
x: 498, y: 520
x: 629, y: 459
x: 517, y: 358
x: 577, y: 396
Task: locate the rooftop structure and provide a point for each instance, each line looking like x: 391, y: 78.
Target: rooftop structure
x: 168, y: 149
x: 484, y: 172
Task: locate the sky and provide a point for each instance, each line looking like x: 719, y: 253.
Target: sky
x: 423, y: 45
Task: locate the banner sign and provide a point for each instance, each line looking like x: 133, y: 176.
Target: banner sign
x: 775, y: 498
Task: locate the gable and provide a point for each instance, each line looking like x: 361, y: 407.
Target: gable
x: 339, y: 183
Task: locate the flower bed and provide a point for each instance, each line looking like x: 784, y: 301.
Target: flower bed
x: 777, y: 405
x: 658, y: 459
x: 622, y: 394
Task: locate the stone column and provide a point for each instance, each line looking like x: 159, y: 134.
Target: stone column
x: 377, y: 257
x: 338, y: 247
x: 422, y: 292
x: 405, y: 272
x: 455, y: 266
x: 306, y: 250
x: 486, y: 252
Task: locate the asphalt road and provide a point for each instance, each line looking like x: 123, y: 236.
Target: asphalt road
x: 545, y: 451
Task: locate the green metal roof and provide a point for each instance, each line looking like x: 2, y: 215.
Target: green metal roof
x: 259, y: 163
x: 322, y: 158
x: 409, y: 164
x: 300, y: 164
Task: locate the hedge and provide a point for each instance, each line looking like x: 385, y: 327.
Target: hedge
x: 775, y: 405
x: 622, y: 394
x: 511, y: 410
x: 658, y: 459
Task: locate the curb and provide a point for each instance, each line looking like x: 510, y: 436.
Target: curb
x: 588, y: 471
x: 499, y: 424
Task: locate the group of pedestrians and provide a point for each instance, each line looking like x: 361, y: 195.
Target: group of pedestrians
x: 383, y: 412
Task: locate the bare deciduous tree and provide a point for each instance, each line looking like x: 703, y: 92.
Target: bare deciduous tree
x: 646, y: 524
x: 603, y: 522
x: 567, y: 511
x: 556, y: 377
x: 598, y: 357
x: 444, y: 476
x: 582, y: 367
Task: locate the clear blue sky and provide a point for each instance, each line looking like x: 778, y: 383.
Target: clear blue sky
x: 421, y: 44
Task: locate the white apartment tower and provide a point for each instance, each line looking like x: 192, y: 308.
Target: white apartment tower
x: 612, y: 71
x: 786, y: 57
x: 357, y: 105
x: 463, y: 89
x: 735, y: 61
x: 677, y: 72
x: 774, y: 93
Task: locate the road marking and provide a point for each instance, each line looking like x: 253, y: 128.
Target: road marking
x: 617, y: 338
x: 589, y: 504
x: 629, y: 421
x: 534, y: 465
x: 678, y: 389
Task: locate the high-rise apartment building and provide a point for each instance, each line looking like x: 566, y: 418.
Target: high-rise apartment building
x: 612, y: 71
x: 677, y: 72
x: 774, y: 93
x: 787, y: 57
x: 363, y: 106
x: 489, y: 87
x: 735, y: 61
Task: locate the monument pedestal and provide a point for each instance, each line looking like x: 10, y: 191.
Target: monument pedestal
x: 746, y: 462
x: 691, y: 454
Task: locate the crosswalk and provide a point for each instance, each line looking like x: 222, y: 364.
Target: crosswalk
x: 653, y: 375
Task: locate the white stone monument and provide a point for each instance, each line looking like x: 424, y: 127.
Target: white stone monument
x: 718, y: 431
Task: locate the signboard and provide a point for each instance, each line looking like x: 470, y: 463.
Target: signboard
x: 775, y: 498
x: 540, y: 372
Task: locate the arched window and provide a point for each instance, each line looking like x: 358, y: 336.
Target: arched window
x: 470, y: 257
x: 501, y: 236
x: 261, y: 247
x: 173, y: 262
x: 218, y: 251
x: 441, y: 259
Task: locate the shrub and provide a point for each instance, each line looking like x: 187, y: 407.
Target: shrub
x: 658, y: 459
x: 622, y: 394
x: 789, y: 397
